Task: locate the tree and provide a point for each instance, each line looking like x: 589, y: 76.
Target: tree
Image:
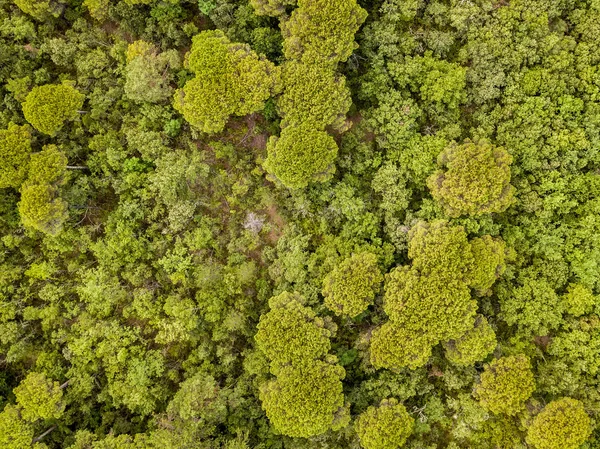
x: 40, y: 208
x: 270, y: 7
x: 48, y: 166
x: 199, y: 398
x: 430, y: 301
x: 47, y: 107
x: 15, y: 433
x: 39, y: 398
x: 385, y: 427
x: 350, y: 288
x: 291, y: 333
x: 15, y: 146
x: 475, y: 179
x: 147, y: 74
x: 230, y: 79
x: 562, y: 424
x: 505, y: 384
x: 302, y: 154
x: 313, y: 93
x: 306, y: 400
x: 475, y: 345
x: 322, y: 30
x: 579, y: 300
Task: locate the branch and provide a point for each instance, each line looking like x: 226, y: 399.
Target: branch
x: 77, y: 167
x: 36, y: 439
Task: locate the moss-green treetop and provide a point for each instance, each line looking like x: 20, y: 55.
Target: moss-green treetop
x: 47, y: 107
x: 302, y: 154
x: 291, y: 333
x: 40, y: 208
x: 562, y: 424
x: 475, y: 345
x: 322, y: 29
x: 313, y: 93
x: 230, y: 80
x: 48, y: 166
x: 350, y: 288
x: 307, y: 400
x: 15, y: 147
x: 385, y: 427
x: 39, y: 398
x: 15, y: 433
x: 475, y: 179
x: 506, y: 383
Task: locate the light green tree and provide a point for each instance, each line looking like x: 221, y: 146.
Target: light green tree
x: 315, y: 94
x: 322, y: 29
x: 199, y: 398
x: 15, y: 433
x: 505, y: 384
x: 230, y: 79
x: 350, y: 288
x: 15, y: 147
x: 562, y: 424
x: 47, y: 166
x: 47, y: 107
x: 306, y: 400
x: 474, y: 180
x: 272, y: 8
x: 39, y: 398
x: 475, y: 345
x: 291, y: 333
x: 40, y: 208
x: 302, y: 154
x: 387, y: 426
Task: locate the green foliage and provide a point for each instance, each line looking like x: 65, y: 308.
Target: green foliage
x: 47, y: 107
x: 387, y: 426
x: 578, y: 300
x: 351, y: 287
x: 430, y: 301
x: 307, y: 400
x: 41, y: 209
x: 474, y: 346
x: 561, y: 424
x: 148, y: 72
x: 506, y: 383
x: 15, y: 433
x: 291, y: 333
x: 48, y: 166
x: 314, y: 95
x: 15, y: 146
x: 39, y: 398
x: 271, y: 7
x: 302, y: 154
x: 322, y: 30
x: 199, y: 398
x: 476, y: 179
x: 230, y: 79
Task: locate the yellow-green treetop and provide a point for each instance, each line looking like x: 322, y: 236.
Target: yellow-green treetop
x: 291, y: 333
x: 15, y: 147
x: 475, y: 345
x: 301, y: 155
x: 306, y: 400
x: 48, y: 166
x: 313, y: 93
x: 350, y: 288
x: 40, y: 208
x: 230, y: 80
x: 474, y: 179
x: 39, y: 398
x: 322, y: 29
x: 387, y: 426
x: 506, y: 383
x: 15, y: 433
x: 562, y: 424
x: 47, y: 107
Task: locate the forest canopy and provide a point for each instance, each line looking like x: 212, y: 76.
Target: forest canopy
x: 299, y: 224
